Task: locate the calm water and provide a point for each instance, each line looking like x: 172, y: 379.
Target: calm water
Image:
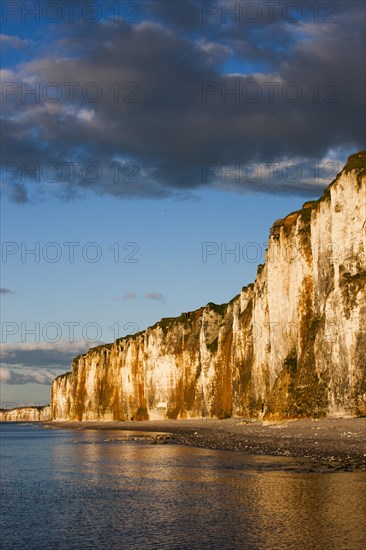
x: 66, y: 489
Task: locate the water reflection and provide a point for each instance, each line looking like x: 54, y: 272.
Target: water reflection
x: 90, y: 492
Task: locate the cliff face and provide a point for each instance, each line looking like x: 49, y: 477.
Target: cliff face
x: 26, y: 414
x: 292, y: 344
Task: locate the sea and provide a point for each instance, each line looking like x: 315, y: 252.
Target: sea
x: 97, y: 489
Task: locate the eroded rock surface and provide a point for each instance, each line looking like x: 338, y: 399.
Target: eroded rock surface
x: 293, y: 344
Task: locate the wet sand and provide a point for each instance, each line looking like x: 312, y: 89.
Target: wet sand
x: 331, y: 444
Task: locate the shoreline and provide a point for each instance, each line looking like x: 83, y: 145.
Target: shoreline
x: 331, y: 444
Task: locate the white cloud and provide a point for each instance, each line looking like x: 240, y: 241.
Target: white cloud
x: 86, y: 115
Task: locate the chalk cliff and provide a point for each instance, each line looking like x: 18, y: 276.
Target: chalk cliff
x: 292, y: 344
x: 26, y: 414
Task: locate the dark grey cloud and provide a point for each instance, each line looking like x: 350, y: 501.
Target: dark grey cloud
x: 157, y: 145
x: 12, y: 376
x: 41, y: 356
x: 184, y: 16
x: 6, y: 291
x: 18, y: 193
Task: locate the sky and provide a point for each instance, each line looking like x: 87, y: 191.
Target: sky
x: 147, y: 148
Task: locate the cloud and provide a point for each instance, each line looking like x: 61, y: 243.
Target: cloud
x: 11, y: 376
x: 6, y: 291
x: 18, y: 193
x: 58, y: 355
x: 13, y: 41
x: 150, y: 132
x: 155, y: 296
x: 129, y: 296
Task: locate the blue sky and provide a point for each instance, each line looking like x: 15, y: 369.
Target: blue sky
x: 201, y: 158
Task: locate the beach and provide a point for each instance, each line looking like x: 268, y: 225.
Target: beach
x: 330, y: 444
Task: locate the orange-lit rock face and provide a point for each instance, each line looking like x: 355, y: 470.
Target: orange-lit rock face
x: 26, y: 414
x: 291, y: 345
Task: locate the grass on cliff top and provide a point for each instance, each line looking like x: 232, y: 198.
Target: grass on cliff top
x: 184, y: 318
x: 220, y: 309
x: 187, y: 318
x: 38, y: 407
x: 357, y: 162
x: 63, y: 375
x: 236, y: 297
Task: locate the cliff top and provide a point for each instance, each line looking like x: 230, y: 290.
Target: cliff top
x: 355, y: 162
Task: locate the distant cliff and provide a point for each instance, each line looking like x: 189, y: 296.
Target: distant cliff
x: 292, y: 344
x: 26, y: 414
